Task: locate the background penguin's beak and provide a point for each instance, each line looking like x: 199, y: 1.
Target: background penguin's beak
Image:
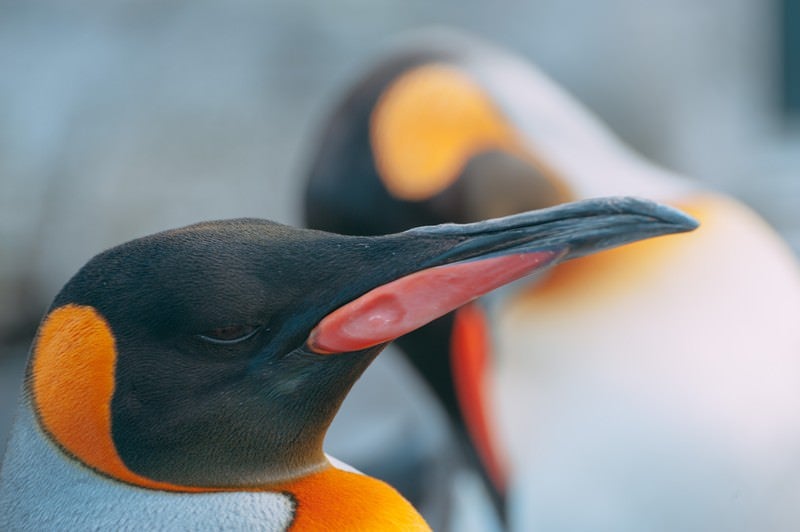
x: 486, y: 255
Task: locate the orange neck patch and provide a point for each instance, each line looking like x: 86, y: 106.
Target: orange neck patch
x: 72, y: 383
x: 333, y: 499
x: 427, y: 125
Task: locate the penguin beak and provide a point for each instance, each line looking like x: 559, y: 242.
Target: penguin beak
x: 484, y: 255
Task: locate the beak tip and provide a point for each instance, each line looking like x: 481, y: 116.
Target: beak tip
x: 676, y: 219
x: 690, y: 224
x: 679, y: 220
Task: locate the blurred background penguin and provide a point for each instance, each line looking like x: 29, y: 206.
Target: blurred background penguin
x: 661, y: 398
x: 655, y: 380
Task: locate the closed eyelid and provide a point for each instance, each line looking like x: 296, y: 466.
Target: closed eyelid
x: 247, y: 332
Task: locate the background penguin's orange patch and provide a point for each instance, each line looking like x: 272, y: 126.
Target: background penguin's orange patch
x: 427, y: 125
x: 469, y: 355
x: 72, y: 380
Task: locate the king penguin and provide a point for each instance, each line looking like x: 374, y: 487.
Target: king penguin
x: 186, y: 380
x: 593, y: 404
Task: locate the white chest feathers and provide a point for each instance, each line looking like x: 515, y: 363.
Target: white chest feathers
x: 43, y: 489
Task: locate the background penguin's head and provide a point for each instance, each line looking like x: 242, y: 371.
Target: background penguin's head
x: 433, y: 133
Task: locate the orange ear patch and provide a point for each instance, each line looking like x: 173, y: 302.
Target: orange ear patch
x: 72, y: 381
x: 427, y: 125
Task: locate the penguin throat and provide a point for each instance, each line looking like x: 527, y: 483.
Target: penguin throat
x: 401, y: 306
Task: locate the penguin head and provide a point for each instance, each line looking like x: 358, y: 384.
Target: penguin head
x: 216, y: 355
x: 428, y: 136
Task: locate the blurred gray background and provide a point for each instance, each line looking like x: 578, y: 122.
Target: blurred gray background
x: 118, y: 119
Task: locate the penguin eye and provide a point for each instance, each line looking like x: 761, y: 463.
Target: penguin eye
x: 230, y: 334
